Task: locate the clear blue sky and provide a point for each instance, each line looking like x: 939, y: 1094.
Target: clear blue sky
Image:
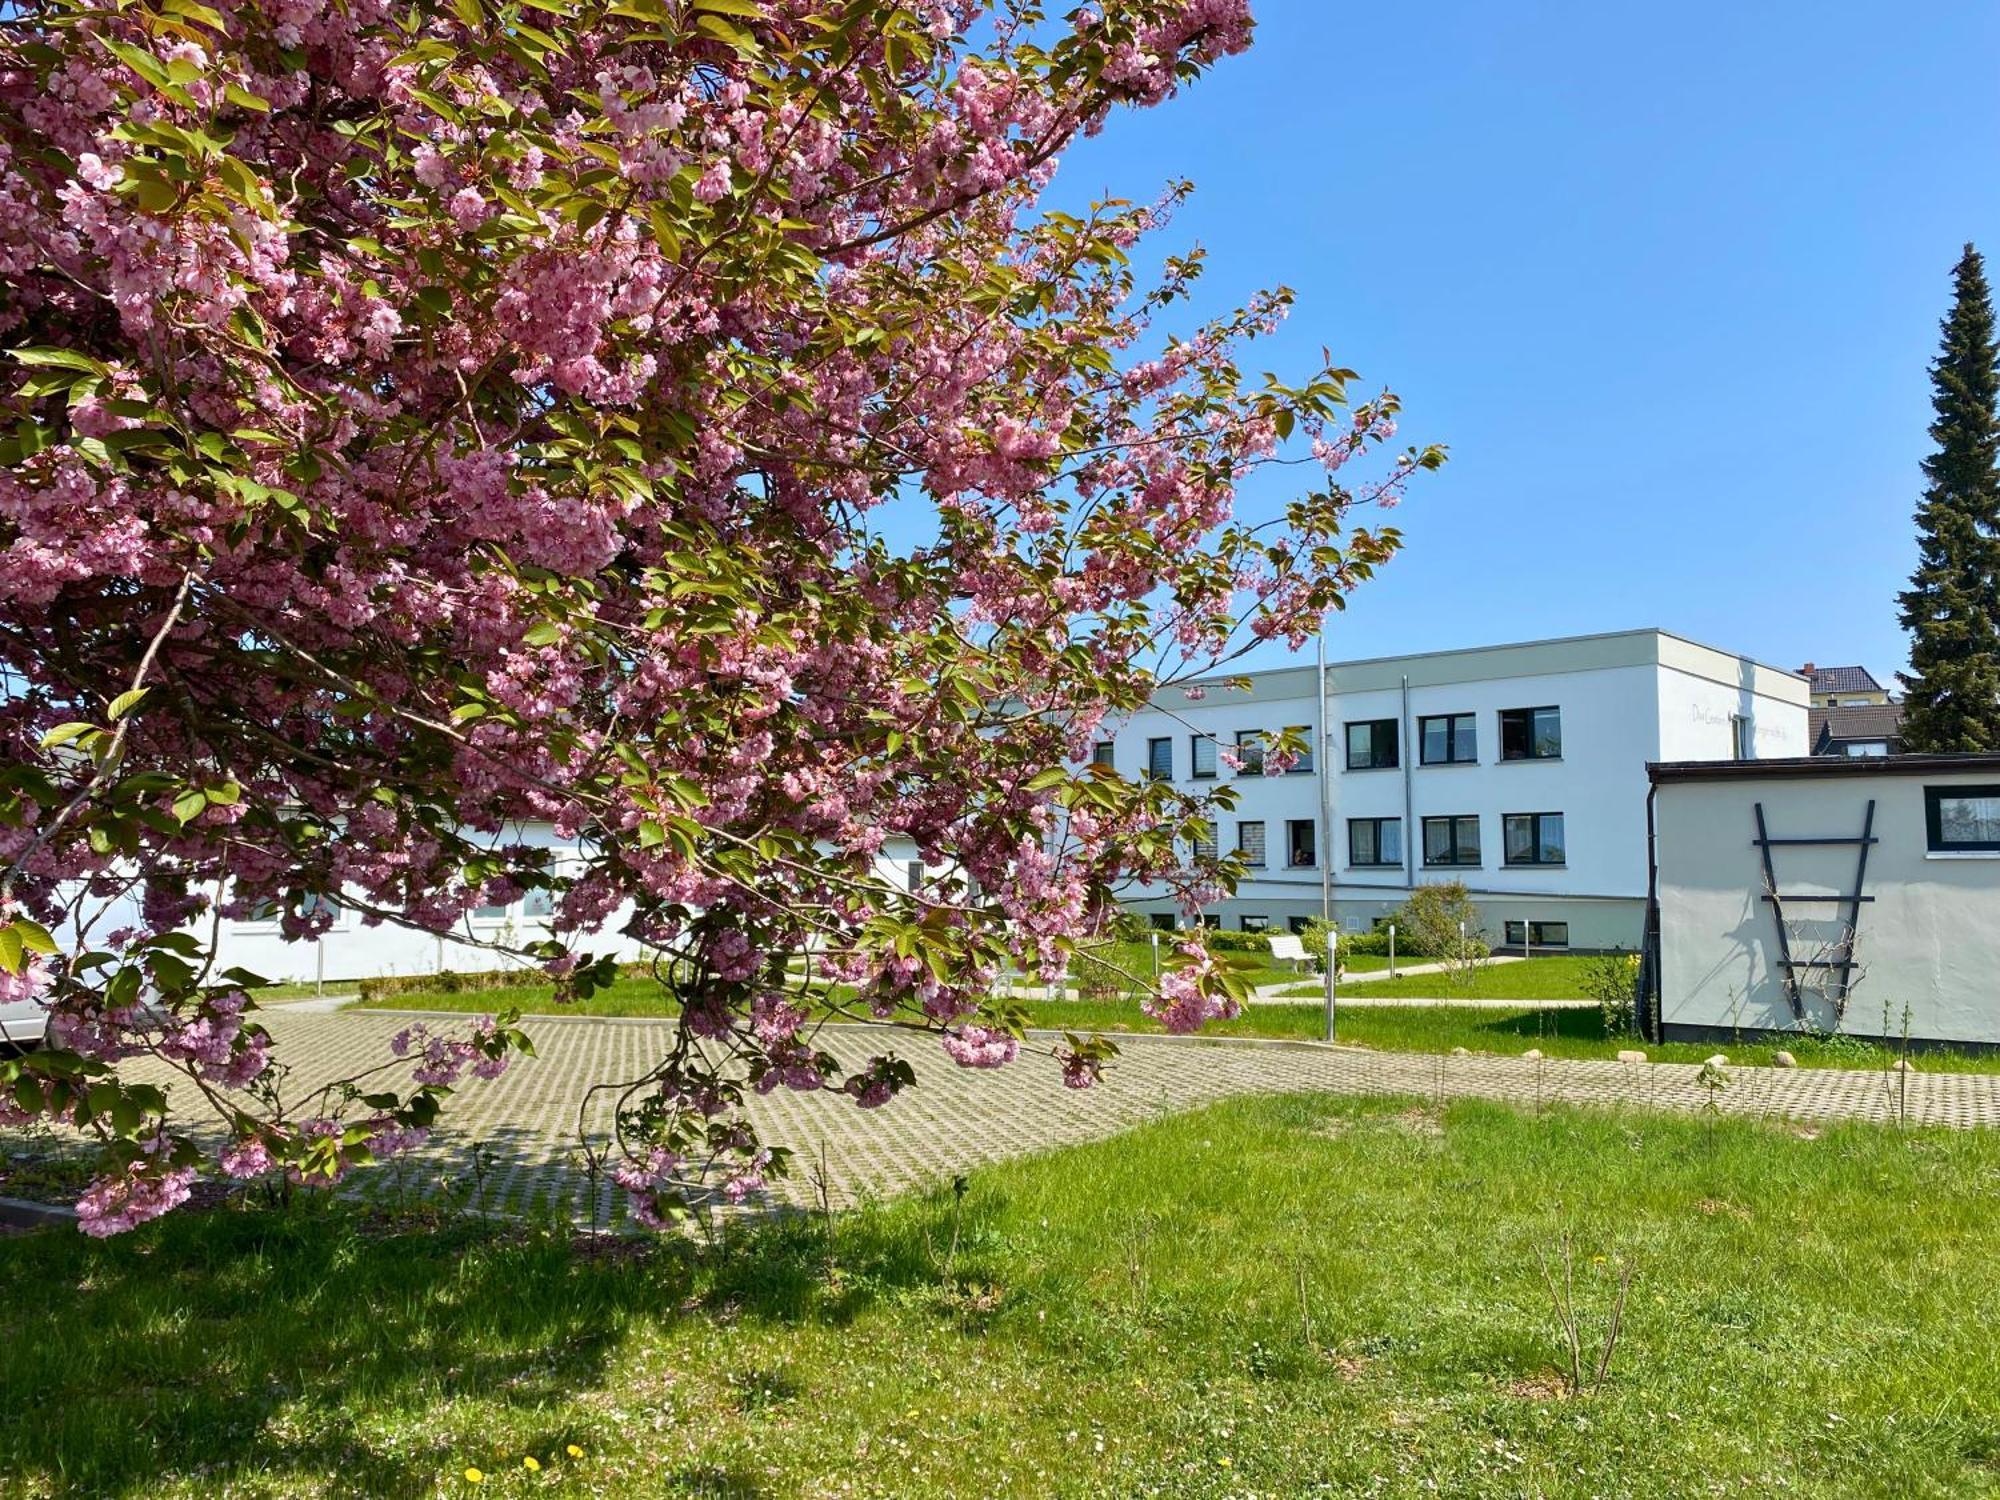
x: 1666, y: 281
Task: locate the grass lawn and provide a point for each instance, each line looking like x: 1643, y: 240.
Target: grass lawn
x: 1273, y: 1297
x: 1530, y: 979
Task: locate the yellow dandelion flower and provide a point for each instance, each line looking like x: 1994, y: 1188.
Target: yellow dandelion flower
x: 1222, y: 1463
x: 475, y: 1476
x: 532, y: 1464
x: 573, y: 1451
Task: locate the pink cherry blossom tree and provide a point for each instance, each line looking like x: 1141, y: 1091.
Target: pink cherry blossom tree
x: 421, y: 419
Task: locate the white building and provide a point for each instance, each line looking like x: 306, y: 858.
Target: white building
x: 1518, y: 769
x: 1886, y: 874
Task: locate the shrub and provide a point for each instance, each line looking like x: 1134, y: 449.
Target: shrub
x: 1444, y: 924
x: 1612, y: 980
x: 1223, y: 940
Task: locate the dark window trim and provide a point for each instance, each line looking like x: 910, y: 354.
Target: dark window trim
x: 1537, y: 861
x: 1934, y: 819
x: 1263, y: 823
x: 1152, y: 744
x: 1108, y: 759
x: 1195, y: 771
x: 1395, y: 760
x: 1451, y: 739
x: 1250, y: 739
x: 1454, y: 863
x: 1378, y: 863
x: 1263, y: 922
x: 1531, y: 709
x: 1311, y: 826
x: 1310, y: 758
x: 1528, y: 931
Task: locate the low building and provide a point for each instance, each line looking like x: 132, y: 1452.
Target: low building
x: 1517, y: 769
x: 1857, y: 729
x: 1828, y: 895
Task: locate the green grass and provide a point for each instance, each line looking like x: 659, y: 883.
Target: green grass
x: 1530, y: 979
x: 1277, y: 1297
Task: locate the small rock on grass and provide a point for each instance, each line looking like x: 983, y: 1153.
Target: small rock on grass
x: 1533, y: 1054
x: 1783, y: 1060
x: 1631, y: 1055
x: 1904, y: 1065
x: 1460, y: 1052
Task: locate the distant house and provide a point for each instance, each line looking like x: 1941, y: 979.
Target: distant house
x: 1864, y: 729
x: 1852, y: 713
x: 1843, y: 687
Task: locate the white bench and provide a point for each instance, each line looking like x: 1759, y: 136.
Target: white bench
x: 1288, y: 947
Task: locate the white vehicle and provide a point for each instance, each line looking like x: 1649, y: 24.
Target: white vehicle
x: 22, y: 1023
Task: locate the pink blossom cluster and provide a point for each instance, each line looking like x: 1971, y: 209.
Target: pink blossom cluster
x: 441, y: 1059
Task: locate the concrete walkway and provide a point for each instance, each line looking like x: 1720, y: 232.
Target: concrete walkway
x: 510, y: 1145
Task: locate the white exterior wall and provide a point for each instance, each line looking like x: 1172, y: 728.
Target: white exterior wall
x: 1930, y: 939
x: 1624, y: 700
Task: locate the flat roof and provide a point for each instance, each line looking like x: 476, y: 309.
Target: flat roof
x: 1554, y: 640
x: 1821, y: 765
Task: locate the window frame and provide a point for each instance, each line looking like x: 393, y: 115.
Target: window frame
x: 1153, y: 772
x: 1531, y: 931
x: 1451, y: 721
x: 1539, y: 708
x: 1305, y: 762
x: 1395, y: 760
x: 1478, y: 862
x: 1378, y: 863
x: 1535, y: 839
x: 1934, y: 799
x: 1262, y: 861
x: 1311, y: 827
x: 1263, y: 922
x: 1250, y: 751
x: 1104, y: 753
x: 1195, y: 772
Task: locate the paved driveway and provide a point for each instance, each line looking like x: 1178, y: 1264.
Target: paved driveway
x: 510, y: 1144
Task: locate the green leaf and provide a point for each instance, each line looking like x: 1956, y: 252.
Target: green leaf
x: 34, y: 936
x: 190, y: 805
x: 62, y: 734
x: 68, y: 359
x: 125, y: 702
x: 13, y: 958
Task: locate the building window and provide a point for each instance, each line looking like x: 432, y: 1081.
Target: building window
x: 539, y: 902
x: 1451, y: 841
x: 1256, y: 924
x: 1203, y: 844
x: 1297, y: 925
x: 1963, y: 818
x: 1202, y: 747
x: 1100, y: 754
x: 489, y: 913
x: 1538, y: 934
x: 1531, y: 734
x: 1303, y: 766
x: 1249, y: 752
x: 1371, y: 745
x: 1448, y: 740
x: 1742, y: 741
x: 1250, y: 843
x: 1868, y: 747
x: 1301, y: 843
x: 1532, y: 838
x: 1209, y: 920
x: 1160, y: 921
x: 1374, y: 841
x: 1160, y: 759
x: 913, y: 876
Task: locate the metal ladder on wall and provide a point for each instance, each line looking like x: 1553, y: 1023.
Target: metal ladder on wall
x: 1844, y: 965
